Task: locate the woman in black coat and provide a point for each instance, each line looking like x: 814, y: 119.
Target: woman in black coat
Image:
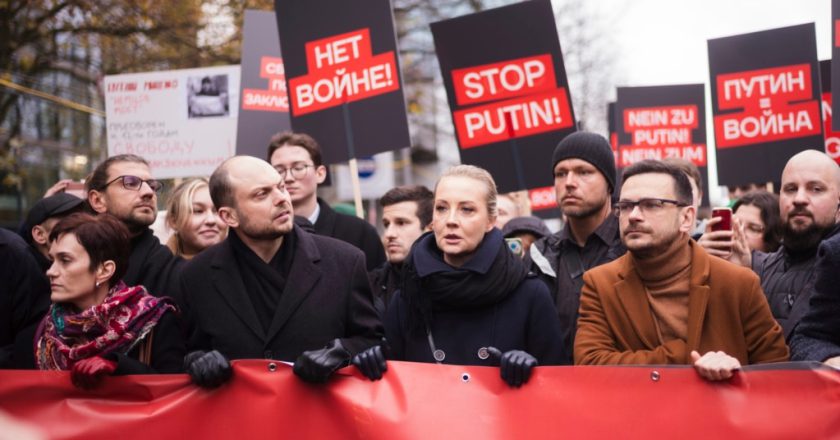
x: 467, y: 299
x: 97, y: 325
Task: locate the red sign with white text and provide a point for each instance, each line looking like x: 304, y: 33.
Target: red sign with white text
x: 770, y: 112
x: 661, y: 132
x: 342, y: 69
x: 274, y: 99
x: 542, y: 198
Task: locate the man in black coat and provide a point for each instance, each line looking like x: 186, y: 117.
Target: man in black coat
x: 817, y: 336
x: 297, y: 157
x: 24, y: 299
x: 123, y: 186
x: 406, y: 214
x: 271, y: 290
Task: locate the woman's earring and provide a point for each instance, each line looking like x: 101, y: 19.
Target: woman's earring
x: 97, y: 284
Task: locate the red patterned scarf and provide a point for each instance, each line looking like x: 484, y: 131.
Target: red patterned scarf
x: 116, y: 325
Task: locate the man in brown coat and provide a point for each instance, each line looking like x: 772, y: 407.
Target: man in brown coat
x: 667, y: 301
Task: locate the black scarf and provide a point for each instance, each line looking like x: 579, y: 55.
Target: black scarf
x: 463, y: 288
x: 264, y: 282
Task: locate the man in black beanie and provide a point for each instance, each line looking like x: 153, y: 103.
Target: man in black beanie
x: 584, y: 179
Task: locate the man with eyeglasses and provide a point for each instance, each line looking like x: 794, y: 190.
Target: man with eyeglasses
x: 123, y: 186
x: 584, y: 179
x: 667, y: 301
x: 809, y: 199
x: 297, y: 156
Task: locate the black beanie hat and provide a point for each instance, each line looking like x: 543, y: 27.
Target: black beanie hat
x: 590, y: 147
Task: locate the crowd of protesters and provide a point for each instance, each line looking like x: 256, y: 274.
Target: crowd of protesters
x: 259, y: 267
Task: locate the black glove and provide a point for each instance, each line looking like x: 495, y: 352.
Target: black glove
x: 317, y: 365
x: 207, y: 369
x: 371, y: 362
x: 516, y: 365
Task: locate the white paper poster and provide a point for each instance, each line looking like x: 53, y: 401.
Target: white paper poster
x: 182, y: 121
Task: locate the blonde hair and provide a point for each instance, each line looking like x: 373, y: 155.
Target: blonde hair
x: 179, y: 208
x: 479, y: 174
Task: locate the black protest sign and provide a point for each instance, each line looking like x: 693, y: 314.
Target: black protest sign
x: 765, y: 101
x: 507, y: 90
x: 832, y: 138
x: 835, y: 55
x: 342, y: 71
x: 264, y: 106
x: 660, y: 122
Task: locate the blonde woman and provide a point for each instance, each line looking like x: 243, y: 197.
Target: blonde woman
x: 193, y: 219
x: 466, y: 299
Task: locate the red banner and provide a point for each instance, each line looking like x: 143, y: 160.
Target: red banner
x: 435, y: 401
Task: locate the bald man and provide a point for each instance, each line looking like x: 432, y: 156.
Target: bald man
x: 271, y: 290
x: 808, y: 201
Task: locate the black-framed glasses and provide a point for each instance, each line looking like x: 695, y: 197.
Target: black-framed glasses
x: 134, y: 183
x: 646, y: 206
x: 298, y: 171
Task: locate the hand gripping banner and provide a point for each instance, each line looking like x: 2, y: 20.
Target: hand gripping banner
x: 266, y: 400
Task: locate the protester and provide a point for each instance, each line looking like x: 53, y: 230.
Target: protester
x: 584, y: 179
x: 667, y: 301
x: 758, y: 212
x: 271, y: 290
x: 193, y: 219
x: 406, y: 214
x: 466, y: 299
x: 24, y: 299
x: 817, y: 336
x: 527, y: 229
x: 297, y: 156
x: 508, y: 209
x: 45, y: 213
x: 123, y: 186
x: 97, y: 325
x: 808, y: 204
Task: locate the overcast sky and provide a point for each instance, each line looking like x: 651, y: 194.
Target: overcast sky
x: 663, y: 42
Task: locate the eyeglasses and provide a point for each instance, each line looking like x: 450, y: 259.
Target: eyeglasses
x: 134, y: 183
x: 298, y: 171
x: 646, y: 206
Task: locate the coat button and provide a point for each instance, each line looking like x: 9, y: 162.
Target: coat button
x: 439, y: 355
x: 267, y: 354
x: 483, y: 353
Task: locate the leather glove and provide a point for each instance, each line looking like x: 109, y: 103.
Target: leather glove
x: 516, y: 365
x: 371, y: 362
x: 207, y: 369
x: 316, y: 366
x: 87, y: 373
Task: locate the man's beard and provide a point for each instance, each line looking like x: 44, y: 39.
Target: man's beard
x: 804, y: 240
x: 264, y: 233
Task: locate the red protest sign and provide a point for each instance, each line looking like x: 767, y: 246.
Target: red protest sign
x: 513, y: 118
x: 274, y: 99
x: 342, y: 69
x: 660, y: 132
x: 767, y: 96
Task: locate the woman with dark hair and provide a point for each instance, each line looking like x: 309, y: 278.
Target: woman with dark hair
x: 97, y: 325
x: 758, y: 211
x: 466, y: 299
